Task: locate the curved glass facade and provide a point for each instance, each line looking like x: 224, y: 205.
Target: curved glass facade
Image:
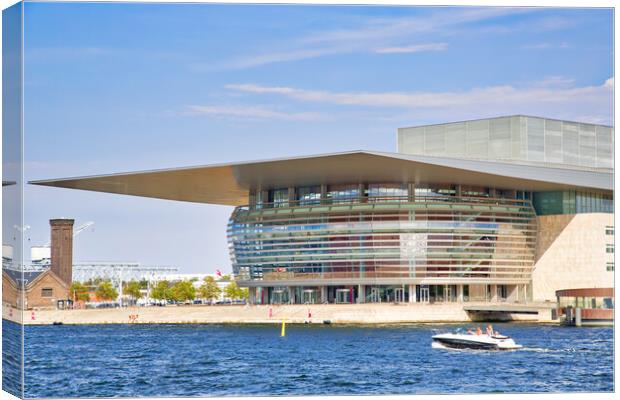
x: 354, y: 234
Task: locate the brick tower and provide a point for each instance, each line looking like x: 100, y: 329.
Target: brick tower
x: 62, y: 249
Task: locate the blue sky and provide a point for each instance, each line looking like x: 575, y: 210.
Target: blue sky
x: 121, y: 87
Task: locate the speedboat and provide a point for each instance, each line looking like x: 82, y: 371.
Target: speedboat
x: 475, y: 341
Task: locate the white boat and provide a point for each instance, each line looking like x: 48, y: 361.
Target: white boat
x: 476, y: 341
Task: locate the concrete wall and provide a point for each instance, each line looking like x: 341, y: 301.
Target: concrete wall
x: 571, y: 253
x: 336, y: 313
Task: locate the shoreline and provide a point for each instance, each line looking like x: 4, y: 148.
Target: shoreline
x: 335, y: 314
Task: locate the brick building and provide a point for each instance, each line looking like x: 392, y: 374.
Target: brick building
x: 43, y: 289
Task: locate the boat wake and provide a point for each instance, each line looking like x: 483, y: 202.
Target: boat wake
x: 545, y: 350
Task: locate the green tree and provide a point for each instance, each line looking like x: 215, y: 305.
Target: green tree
x: 105, y: 291
x: 161, y: 291
x: 132, y: 289
x: 225, y: 278
x: 183, y: 291
x: 79, y: 292
x: 234, y: 292
x: 244, y: 294
x: 209, y: 289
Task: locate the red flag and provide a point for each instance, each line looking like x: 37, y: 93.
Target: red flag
x: 218, y: 272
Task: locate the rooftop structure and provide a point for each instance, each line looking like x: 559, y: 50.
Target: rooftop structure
x: 518, y: 138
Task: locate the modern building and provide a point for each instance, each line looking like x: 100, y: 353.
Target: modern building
x: 502, y: 209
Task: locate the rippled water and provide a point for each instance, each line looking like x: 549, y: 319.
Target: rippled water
x: 182, y: 360
x: 11, y: 357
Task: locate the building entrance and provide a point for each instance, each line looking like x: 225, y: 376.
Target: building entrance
x: 279, y: 296
x: 343, y: 296
x: 399, y: 295
x: 375, y: 295
x: 310, y: 296
x: 447, y: 293
x: 424, y: 294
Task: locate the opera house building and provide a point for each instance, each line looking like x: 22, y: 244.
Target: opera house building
x: 503, y: 209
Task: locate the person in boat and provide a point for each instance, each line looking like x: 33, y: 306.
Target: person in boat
x: 489, y: 330
x: 470, y: 332
x: 478, y: 331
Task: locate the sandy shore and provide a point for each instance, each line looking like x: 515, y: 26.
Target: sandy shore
x: 259, y: 314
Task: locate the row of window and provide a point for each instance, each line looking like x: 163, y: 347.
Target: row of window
x: 572, y: 202
x: 309, y: 195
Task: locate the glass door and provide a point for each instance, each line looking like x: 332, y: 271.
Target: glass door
x: 277, y: 296
x: 343, y: 296
x: 375, y: 295
x: 424, y: 294
x: 399, y: 295
x: 310, y: 296
x: 447, y: 293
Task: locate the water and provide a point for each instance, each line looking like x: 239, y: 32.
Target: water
x: 219, y: 360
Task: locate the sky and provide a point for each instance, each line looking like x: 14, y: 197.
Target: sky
x: 124, y: 87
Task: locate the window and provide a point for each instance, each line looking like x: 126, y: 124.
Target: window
x: 610, y: 267
x: 609, y: 230
x: 610, y: 248
x: 308, y: 195
x: 343, y: 193
x: 279, y: 197
x: 47, y: 292
x: 389, y: 191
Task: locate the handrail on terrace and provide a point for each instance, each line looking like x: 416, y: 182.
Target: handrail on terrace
x: 387, y: 199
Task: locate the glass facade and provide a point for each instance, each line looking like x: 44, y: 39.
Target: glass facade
x: 514, y: 138
x: 572, y: 202
x: 308, y: 195
x: 373, y: 239
x: 343, y: 193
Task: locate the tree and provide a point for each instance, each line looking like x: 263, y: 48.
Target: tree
x: 79, y: 292
x: 209, y: 289
x: 161, y: 291
x: 132, y: 289
x: 183, y: 291
x: 105, y: 291
x: 234, y: 292
x: 225, y: 278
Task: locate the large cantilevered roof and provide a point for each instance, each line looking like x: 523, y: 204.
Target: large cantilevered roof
x: 229, y: 184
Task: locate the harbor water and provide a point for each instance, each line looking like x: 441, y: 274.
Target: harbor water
x: 225, y: 360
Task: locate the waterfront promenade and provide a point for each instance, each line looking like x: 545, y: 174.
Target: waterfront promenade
x: 386, y: 313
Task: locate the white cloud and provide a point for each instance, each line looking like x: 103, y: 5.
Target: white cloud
x: 416, y: 48
x: 546, y: 45
x: 554, y: 96
x: 369, y: 36
x: 252, y: 112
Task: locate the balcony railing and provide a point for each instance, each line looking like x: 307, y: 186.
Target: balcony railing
x: 388, y: 199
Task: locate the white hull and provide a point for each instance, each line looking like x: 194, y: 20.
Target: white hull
x: 478, y: 342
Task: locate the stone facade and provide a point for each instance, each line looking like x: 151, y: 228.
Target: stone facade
x: 572, y: 253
